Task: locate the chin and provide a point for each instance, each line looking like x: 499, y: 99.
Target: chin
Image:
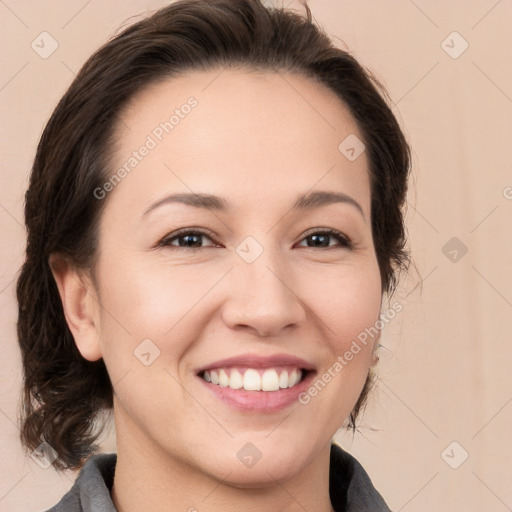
x: 260, y: 473
x: 254, y: 478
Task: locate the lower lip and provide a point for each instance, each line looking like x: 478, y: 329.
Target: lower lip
x: 259, y: 401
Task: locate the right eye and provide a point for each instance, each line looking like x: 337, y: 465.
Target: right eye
x: 191, y: 239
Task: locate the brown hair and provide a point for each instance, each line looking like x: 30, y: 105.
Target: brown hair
x: 63, y: 393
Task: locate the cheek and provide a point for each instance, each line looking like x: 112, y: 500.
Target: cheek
x: 349, y: 304
x: 151, y: 302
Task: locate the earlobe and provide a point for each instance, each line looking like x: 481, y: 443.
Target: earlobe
x: 79, y: 305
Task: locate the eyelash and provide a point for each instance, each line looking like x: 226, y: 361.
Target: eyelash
x: 344, y: 241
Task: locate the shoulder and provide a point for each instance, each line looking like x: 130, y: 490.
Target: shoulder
x: 350, y: 487
x: 91, y: 489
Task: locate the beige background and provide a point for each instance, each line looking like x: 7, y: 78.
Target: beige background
x: 446, y: 372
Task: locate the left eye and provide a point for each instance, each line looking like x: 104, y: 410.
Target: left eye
x: 318, y: 237
x: 192, y: 239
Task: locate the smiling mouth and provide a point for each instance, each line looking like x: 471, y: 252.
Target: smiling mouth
x: 255, y: 379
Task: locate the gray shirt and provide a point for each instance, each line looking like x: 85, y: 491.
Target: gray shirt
x: 350, y: 487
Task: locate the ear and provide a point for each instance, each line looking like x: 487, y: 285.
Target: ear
x: 81, y: 308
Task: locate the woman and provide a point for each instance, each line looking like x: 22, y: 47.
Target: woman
x: 214, y: 217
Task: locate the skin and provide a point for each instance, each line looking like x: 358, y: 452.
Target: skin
x: 258, y: 140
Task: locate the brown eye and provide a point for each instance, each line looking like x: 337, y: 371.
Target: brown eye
x: 186, y: 239
x: 321, y: 239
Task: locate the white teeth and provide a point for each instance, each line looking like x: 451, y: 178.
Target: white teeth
x: 236, y: 380
x: 269, y: 380
x: 251, y: 380
x: 294, y: 378
x: 223, y: 379
x: 283, y: 380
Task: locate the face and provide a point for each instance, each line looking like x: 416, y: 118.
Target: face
x: 252, y: 274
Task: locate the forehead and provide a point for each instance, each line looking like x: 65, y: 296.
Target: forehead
x: 236, y: 129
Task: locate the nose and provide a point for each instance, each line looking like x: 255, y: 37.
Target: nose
x: 263, y: 296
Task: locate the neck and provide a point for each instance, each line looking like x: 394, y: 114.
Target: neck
x: 146, y: 478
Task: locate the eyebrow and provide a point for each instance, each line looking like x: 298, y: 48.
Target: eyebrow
x: 306, y: 201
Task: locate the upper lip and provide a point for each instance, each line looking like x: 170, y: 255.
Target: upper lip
x: 259, y: 361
